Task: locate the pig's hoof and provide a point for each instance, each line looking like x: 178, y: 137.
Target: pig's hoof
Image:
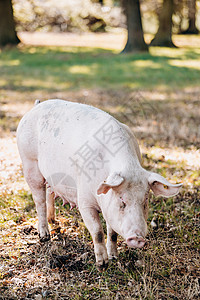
x: 112, y: 256
x: 112, y: 250
x: 101, y: 257
x: 44, y: 238
x: 112, y: 253
x: 102, y: 267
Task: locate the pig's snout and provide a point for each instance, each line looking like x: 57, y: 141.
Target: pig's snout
x: 136, y: 241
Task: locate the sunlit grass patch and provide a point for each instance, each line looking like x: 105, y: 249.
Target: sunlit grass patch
x: 146, y: 64
x: 80, y: 69
x: 14, y: 62
x: 195, y: 64
x: 174, y: 163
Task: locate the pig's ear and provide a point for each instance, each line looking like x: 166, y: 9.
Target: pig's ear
x: 112, y: 181
x: 161, y: 187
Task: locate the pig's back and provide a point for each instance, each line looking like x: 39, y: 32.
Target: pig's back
x: 66, y: 126
x: 55, y: 120
x: 64, y: 135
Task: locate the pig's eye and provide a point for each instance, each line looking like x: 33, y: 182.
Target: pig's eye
x: 123, y: 204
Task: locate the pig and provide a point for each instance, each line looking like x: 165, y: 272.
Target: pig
x: 92, y: 161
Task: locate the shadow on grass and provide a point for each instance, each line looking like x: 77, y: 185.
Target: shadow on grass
x: 60, y: 68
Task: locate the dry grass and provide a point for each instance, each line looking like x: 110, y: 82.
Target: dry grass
x: 166, y: 122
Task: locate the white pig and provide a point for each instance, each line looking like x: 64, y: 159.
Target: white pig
x: 92, y: 161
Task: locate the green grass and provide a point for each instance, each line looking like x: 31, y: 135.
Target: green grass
x: 61, y: 68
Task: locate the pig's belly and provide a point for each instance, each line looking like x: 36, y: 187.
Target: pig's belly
x: 68, y: 194
x: 62, y: 184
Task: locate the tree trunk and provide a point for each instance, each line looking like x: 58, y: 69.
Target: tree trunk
x: 7, y: 26
x: 192, y: 18
x: 135, y: 41
x: 163, y: 37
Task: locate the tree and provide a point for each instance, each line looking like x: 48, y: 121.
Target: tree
x: 192, y: 18
x: 163, y: 37
x: 7, y: 26
x: 135, y: 41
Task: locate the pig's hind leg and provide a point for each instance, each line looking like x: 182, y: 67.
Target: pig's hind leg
x: 50, y: 200
x: 36, y: 183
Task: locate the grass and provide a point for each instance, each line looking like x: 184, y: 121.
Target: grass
x: 167, y: 266
x: 16, y: 207
x: 157, y: 95
x: 24, y: 69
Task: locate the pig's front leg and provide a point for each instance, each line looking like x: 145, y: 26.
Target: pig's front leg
x: 92, y: 221
x: 111, y: 242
